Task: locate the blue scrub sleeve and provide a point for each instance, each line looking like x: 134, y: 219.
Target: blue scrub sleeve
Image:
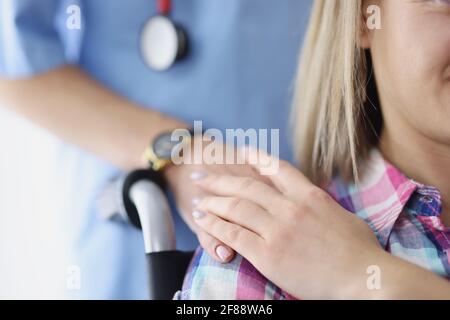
x: 29, y: 40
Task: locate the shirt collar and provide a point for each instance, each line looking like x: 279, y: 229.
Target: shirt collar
x: 380, y: 196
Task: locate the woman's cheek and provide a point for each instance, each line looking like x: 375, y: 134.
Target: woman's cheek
x: 410, y: 56
x: 432, y: 67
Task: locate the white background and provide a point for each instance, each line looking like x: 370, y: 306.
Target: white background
x: 33, y: 246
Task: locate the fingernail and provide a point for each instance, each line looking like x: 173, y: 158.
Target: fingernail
x: 196, y: 201
x: 223, y: 253
x: 198, y: 175
x: 198, y: 214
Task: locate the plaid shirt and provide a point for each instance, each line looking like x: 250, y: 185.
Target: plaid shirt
x: 404, y: 215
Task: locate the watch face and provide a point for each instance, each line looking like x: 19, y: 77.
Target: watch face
x: 163, y: 145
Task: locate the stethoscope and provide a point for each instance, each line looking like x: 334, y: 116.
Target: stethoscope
x: 162, y: 42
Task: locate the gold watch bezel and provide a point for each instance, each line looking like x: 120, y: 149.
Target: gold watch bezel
x: 156, y: 163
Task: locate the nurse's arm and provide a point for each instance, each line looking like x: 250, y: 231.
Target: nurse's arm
x: 79, y: 110
x: 70, y: 104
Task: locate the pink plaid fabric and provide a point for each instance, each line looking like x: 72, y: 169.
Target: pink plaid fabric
x: 404, y: 215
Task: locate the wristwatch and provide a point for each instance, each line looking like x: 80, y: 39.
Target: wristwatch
x: 158, y: 153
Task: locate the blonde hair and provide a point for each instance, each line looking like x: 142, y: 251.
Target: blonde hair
x: 331, y: 128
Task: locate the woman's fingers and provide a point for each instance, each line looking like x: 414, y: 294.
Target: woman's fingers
x: 242, y: 187
x: 214, y: 247
x: 239, y: 211
x: 285, y: 177
x: 244, y: 241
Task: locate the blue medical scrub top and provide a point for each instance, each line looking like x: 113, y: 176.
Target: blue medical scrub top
x: 239, y: 74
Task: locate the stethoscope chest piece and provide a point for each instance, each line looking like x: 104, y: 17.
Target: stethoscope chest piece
x: 162, y: 43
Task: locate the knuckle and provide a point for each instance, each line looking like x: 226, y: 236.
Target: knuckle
x: 209, y: 183
x: 294, y: 210
x: 284, y: 166
x: 221, y: 181
x: 233, y: 204
x: 316, y: 194
x: 234, y: 235
x: 205, y: 202
x: 245, y: 183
